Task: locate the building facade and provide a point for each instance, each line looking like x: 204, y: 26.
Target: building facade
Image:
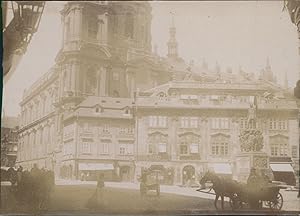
x: 109, y: 104
x: 9, y: 141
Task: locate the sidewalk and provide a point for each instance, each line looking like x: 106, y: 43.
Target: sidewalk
x: 290, y: 200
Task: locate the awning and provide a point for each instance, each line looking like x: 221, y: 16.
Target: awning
x: 95, y: 166
x: 277, y: 167
x: 222, y: 168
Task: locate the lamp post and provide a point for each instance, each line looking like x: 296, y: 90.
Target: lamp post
x: 17, y: 35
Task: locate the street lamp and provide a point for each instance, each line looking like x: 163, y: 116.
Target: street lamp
x: 17, y: 35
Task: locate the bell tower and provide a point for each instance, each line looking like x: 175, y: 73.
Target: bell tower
x: 172, y: 43
x: 97, y: 37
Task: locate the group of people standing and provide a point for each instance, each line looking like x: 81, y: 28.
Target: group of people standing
x: 31, y: 188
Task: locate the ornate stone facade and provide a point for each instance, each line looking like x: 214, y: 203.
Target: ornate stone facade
x: 110, y: 103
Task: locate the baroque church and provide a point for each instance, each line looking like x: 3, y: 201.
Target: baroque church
x: 111, y: 105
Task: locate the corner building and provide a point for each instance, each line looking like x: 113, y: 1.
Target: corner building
x: 110, y: 104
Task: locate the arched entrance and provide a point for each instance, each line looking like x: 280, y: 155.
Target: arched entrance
x: 125, y: 173
x: 188, y: 174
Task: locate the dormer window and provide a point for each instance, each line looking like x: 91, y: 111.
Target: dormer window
x: 99, y: 109
x: 127, y: 111
x: 116, y: 94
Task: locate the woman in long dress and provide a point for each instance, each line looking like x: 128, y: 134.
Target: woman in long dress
x: 99, y: 190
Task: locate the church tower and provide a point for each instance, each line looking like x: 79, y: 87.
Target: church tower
x: 172, y: 43
x: 267, y: 73
x: 97, y: 36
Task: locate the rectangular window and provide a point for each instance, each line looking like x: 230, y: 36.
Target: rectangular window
x: 194, y: 148
x: 122, y: 150
x: 129, y: 149
x: 219, y: 148
x: 162, y: 147
x: 158, y: 121
x: 122, y: 130
x: 279, y: 150
x: 221, y: 123
x: 183, y: 149
x: 104, y: 147
x: 184, y: 122
x: 193, y: 122
x: 162, y: 121
x: 86, y: 146
x: 105, y: 128
x: 150, y: 149
x: 294, y: 151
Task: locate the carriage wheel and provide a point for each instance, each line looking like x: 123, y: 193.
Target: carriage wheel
x: 277, y: 203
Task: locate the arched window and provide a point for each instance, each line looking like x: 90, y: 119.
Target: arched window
x: 129, y: 24
x: 92, y: 26
x: 101, y: 29
x: 68, y: 30
x: 91, y: 81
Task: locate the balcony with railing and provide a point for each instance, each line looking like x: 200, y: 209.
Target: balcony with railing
x: 199, y: 103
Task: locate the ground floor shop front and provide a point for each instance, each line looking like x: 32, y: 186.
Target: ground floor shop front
x: 182, y: 173
x: 89, y: 170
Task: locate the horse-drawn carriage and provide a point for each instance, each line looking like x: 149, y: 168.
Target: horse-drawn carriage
x: 150, y: 181
x: 256, y: 197
x: 241, y: 195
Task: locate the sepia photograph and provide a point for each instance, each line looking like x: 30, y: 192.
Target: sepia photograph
x: 150, y: 107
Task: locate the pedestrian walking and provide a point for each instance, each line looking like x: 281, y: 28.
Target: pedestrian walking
x: 99, y: 190
x: 96, y: 201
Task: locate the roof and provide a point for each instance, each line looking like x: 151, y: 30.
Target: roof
x: 9, y: 122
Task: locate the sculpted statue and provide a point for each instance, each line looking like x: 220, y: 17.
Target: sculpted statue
x: 251, y: 140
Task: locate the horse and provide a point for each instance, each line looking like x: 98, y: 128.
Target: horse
x: 222, y: 187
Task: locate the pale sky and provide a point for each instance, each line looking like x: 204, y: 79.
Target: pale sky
x: 231, y: 33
